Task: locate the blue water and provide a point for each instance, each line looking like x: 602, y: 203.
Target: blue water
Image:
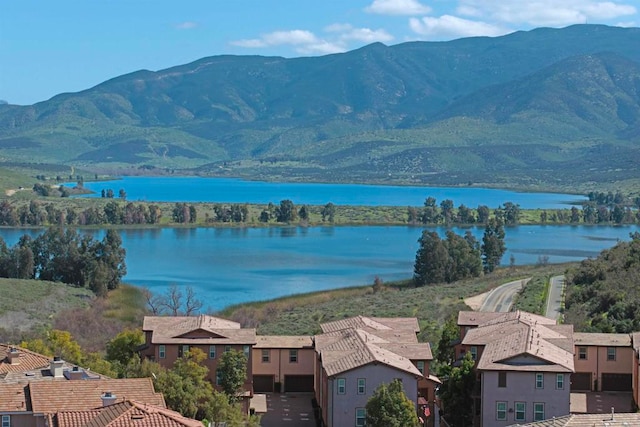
x: 234, y: 265
x: 194, y: 189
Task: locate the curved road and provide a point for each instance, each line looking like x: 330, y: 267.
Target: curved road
x: 501, y: 298
x: 554, y: 300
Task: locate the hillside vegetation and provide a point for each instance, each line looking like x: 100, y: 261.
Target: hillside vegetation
x: 603, y: 293
x: 547, y: 108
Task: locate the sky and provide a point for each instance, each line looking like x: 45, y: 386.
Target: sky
x: 49, y: 47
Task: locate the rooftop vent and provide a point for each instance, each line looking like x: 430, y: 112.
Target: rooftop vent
x: 56, y: 367
x: 108, y: 398
x: 76, y: 373
x: 13, y: 356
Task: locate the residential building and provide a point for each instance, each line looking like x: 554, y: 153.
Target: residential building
x: 168, y: 338
x: 635, y: 368
x: 588, y: 420
x: 603, y: 362
x: 524, y: 363
x: 283, y: 363
x: 356, y: 355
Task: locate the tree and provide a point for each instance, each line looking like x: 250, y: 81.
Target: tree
x: 430, y: 214
x: 390, y: 407
x: 446, y: 209
x: 456, y: 392
x: 328, y: 212
x: 232, y: 369
x: 124, y: 346
x: 286, y: 212
x: 446, y: 353
x: 483, y: 214
x: 493, y: 246
x: 431, y: 260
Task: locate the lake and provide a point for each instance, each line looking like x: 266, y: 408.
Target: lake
x: 195, y: 189
x: 234, y: 265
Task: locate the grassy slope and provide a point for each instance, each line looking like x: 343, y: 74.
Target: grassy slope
x: 32, y: 304
x: 302, y: 314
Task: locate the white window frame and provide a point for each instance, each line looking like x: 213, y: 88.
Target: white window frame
x: 611, y: 354
x: 293, y: 356
x: 6, y: 421
x: 341, y: 385
x: 246, y: 349
x: 212, y: 352
x: 227, y: 348
x: 520, y: 413
x: 361, y: 417
x: 420, y: 366
x: 538, y: 415
x: 474, y: 352
x: 265, y: 357
x: 501, y: 411
x: 162, y: 351
x: 362, y: 385
x: 582, y: 353
x: 218, y: 377
x: 560, y: 381
x: 539, y: 380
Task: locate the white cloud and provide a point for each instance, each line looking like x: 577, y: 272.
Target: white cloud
x: 303, y: 41
x: 338, y: 28
x: 367, y: 35
x: 448, y: 26
x: 186, y: 25
x: 397, y: 7
x: 543, y: 12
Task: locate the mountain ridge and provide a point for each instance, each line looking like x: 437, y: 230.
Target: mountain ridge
x: 368, y: 114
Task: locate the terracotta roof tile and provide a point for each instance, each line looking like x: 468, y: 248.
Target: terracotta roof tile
x: 124, y: 414
x: 601, y: 339
x: 373, y: 323
x: 284, y: 341
x: 196, y: 330
x: 589, y: 420
x: 55, y: 396
x: 27, y: 360
x: 12, y: 397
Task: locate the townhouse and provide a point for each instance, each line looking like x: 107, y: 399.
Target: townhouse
x: 355, y: 356
x: 603, y: 362
x: 283, y: 364
x: 168, y: 338
x: 524, y: 362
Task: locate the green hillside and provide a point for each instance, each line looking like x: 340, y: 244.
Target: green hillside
x: 524, y: 110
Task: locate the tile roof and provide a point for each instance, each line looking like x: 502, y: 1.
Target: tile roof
x: 27, y: 360
x: 373, y: 323
x: 350, y: 343
x: 601, y: 339
x: 527, y: 337
x: 196, y: 330
x: 12, y: 397
x: 55, y: 396
x: 123, y: 414
x: 589, y: 420
x: 284, y: 341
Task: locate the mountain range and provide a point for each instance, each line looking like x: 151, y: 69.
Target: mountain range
x: 550, y: 107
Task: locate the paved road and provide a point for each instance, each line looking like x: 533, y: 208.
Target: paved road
x: 289, y: 409
x: 501, y: 298
x: 556, y: 295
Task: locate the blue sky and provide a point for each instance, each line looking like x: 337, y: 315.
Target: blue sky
x: 49, y: 47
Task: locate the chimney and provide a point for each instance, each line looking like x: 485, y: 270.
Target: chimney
x: 56, y: 367
x: 108, y: 398
x: 76, y: 373
x: 13, y: 356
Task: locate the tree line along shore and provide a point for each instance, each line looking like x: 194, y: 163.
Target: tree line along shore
x: 33, y: 208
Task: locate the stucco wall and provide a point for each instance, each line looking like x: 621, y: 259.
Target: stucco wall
x: 279, y: 364
x: 343, y: 406
x: 521, y: 387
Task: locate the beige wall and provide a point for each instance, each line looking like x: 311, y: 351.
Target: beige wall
x: 597, y: 363
x: 279, y: 364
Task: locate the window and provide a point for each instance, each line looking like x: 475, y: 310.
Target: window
x: 245, y: 350
x: 538, y: 411
x: 162, y: 351
x: 539, y: 380
x: 342, y: 386
x: 293, y: 356
x: 474, y: 352
x: 6, y: 421
x: 362, y: 385
x: 183, y: 350
x: 420, y: 366
x: 501, y: 411
x: 611, y: 353
x: 502, y: 379
x: 266, y: 356
x: 559, y: 381
x: 582, y: 353
x: 521, y: 411
x: 227, y: 348
x: 218, y: 377
x: 212, y: 352
x: 361, y: 417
